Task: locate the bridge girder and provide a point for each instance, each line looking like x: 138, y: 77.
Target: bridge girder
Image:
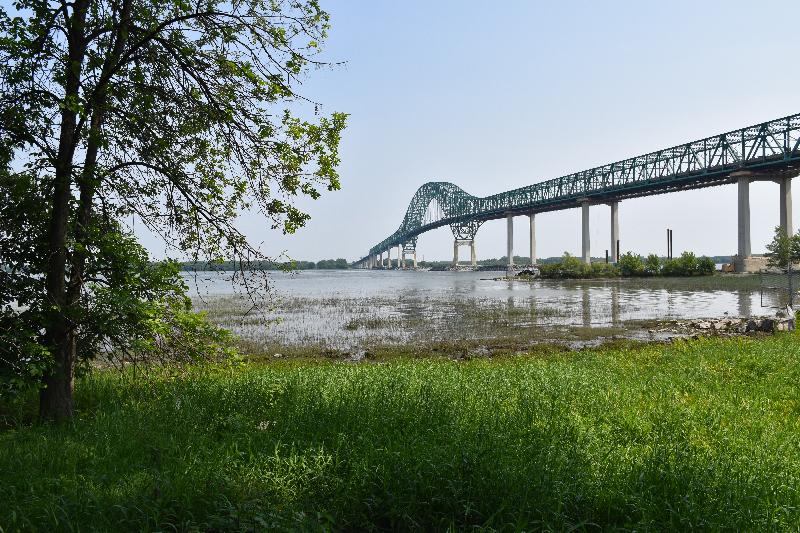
x: 765, y: 150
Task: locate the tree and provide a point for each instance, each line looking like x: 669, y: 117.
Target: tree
x: 706, y: 266
x: 631, y: 264
x: 782, y: 248
x: 179, y: 113
x: 652, y: 265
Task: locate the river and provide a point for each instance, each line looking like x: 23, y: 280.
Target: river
x: 346, y: 309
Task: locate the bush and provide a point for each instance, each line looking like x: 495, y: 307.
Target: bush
x: 570, y: 267
x: 652, y: 265
x: 604, y: 270
x: 688, y: 265
x: 670, y: 268
x: 706, y: 266
x: 631, y: 264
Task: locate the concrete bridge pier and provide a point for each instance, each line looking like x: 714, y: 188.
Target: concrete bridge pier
x: 614, y: 230
x: 415, y: 258
x: 744, y: 257
x: 464, y: 242
x: 510, y: 240
x: 380, y: 260
x: 745, y: 262
x: 388, y: 258
x: 532, y: 221
x: 586, y: 245
x: 786, y: 205
x: 400, y: 256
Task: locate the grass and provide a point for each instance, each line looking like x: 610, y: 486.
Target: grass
x: 701, y: 434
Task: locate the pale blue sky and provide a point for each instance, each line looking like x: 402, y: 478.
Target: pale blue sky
x: 497, y: 95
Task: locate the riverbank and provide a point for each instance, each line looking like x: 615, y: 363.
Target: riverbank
x: 690, y: 434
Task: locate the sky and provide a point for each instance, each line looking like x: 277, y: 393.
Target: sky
x: 498, y: 95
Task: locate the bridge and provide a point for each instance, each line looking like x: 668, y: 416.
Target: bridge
x: 768, y: 151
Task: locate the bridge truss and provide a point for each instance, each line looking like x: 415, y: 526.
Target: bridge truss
x: 770, y: 149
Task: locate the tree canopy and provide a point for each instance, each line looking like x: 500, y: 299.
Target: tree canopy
x: 180, y: 114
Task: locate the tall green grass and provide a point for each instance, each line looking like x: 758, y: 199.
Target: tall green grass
x: 703, y: 435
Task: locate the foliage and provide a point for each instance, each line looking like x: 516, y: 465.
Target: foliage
x: 782, y: 248
x: 687, y: 265
x: 179, y: 115
x: 232, y: 266
x: 571, y: 267
x: 705, y: 266
x: 652, y: 265
x: 631, y: 264
x: 330, y: 264
x: 666, y: 437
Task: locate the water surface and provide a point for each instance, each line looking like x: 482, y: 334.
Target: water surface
x: 341, y: 309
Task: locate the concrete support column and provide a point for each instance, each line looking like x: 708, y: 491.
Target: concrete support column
x: 532, y: 220
x: 388, y: 258
x: 614, y: 230
x: 587, y: 257
x: 415, y: 258
x: 455, y: 252
x: 473, y: 259
x: 786, y: 206
x: 380, y: 260
x: 744, y: 218
x: 399, y: 256
x: 510, y: 241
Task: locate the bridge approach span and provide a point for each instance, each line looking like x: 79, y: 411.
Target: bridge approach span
x: 767, y: 151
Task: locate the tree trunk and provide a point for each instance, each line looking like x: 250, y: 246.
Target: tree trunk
x: 55, y: 398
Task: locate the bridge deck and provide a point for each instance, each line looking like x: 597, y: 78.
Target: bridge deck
x: 765, y: 151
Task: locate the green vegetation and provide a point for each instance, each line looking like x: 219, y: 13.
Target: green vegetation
x: 571, y: 267
x: 697, y: 434
x: 230, y: 266
x: 629, y: 265
x: 782, y: 248
x: 180, y: 114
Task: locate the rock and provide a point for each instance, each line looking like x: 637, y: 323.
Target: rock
x: 760, y: 324
x: 704, y: 325
x: 481, y: 351
x: 278, y: 355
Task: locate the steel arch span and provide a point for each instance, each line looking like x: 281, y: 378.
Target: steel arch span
x: 770, y: 150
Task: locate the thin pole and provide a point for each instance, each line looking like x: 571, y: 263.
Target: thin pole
x: 669, y: 243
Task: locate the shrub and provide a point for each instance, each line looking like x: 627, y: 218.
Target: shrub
x: 570, y: 267
x: 670, y: 268
x: 631, y: 264
x: 687, y: 264
x: 706, y: 266
x: 652, y: 265
x: 604, y: 270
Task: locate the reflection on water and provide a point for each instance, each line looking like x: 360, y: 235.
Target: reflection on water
x: 341, y: 308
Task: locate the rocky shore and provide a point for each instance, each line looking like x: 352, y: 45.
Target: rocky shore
x: 784, y: 320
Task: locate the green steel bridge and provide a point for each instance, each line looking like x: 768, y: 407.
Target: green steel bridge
x: 767, y: 151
